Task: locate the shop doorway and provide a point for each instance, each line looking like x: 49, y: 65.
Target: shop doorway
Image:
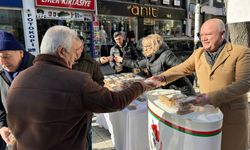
x: 82, y: 28
x: 81, y: 22
x: 163, y: 27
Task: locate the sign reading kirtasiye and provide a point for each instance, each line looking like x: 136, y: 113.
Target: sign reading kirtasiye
x: 72, y: 4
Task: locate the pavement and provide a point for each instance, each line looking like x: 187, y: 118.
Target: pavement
x: 102, y: 138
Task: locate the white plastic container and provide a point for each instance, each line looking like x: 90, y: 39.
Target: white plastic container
x: 170, y: 131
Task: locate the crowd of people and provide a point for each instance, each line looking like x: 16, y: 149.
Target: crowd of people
x: 54, y: 95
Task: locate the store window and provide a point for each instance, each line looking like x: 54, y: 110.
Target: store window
x: 11, y: 21
x: 163, y: 27
x: 111, y: 24
x: 78, y: 21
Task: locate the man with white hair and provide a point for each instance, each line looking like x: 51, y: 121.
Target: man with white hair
x: 223, y: 72
x: 49, y: 103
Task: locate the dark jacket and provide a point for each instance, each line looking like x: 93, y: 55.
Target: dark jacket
x: 162, y: 60
x: 86, y: 64
x: 48, y: 105
x: 5, y: 84
x: 128, y: 51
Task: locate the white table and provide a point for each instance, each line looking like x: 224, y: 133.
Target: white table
x: 128, y: 128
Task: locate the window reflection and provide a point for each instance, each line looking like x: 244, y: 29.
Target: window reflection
x: 11, y: 21
x: 162, y: 27
x: 110, y: 24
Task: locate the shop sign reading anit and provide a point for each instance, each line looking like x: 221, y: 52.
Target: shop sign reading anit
x: 72, y: 4
x: 144, y: 11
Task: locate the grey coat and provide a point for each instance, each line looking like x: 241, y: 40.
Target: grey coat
x: 128, y: 51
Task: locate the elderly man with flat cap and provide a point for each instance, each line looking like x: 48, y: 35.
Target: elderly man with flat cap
x: 13, y: 59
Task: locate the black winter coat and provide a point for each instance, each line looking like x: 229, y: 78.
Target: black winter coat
x: 162, y: 60
x: 128, y: 51
x: 86, y: 64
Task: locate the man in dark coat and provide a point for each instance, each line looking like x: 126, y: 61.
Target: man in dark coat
x: 49, y: 103
x: 87, y: 64
x: 123, y: 49
x: 13, y: 60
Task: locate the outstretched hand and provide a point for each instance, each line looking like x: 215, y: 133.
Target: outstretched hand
x: 6, y: 135
x: 154, y: 81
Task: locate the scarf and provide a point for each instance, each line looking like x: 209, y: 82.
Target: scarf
x: 212, y: 56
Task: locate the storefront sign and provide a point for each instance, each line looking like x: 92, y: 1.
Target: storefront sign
x: 72, y: 4
x: 166, y: 2
x: 177, y: 3
x: 144, y: 11
x: 139, y: 10
x: 31, y: 36
x: 11, y: 3
x: 30, y: 27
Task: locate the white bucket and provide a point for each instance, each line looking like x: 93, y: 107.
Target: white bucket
x: 193, y: 131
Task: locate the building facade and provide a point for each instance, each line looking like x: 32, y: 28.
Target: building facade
x: 75, y: 15
x: 138, y: 18
x: 97, y: 20
x: 28, y: 20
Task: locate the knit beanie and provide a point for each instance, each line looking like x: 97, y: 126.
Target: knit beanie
x: 9, y: 42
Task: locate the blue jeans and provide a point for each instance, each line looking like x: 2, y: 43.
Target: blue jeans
x: 89, y: 132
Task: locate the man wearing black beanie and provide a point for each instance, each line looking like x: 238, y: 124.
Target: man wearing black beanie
x: 13, y: 59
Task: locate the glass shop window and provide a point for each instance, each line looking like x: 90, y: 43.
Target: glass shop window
x: 11, y: 21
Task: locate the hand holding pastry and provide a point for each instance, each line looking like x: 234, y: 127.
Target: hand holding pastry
x: 154, y: 81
